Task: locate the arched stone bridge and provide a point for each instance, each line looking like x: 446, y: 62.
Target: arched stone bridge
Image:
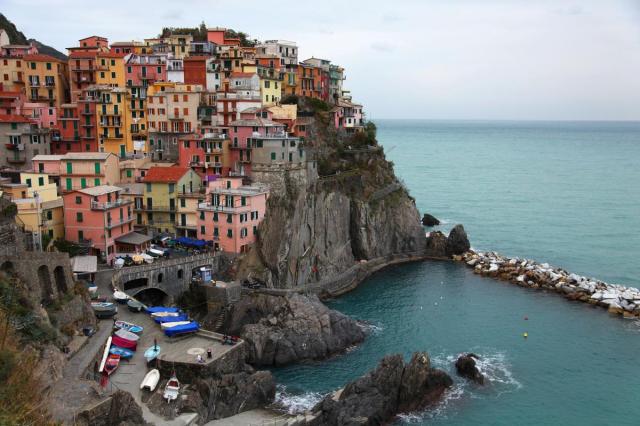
x: 171, y: 276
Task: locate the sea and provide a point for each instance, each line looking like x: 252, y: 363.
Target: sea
x: 565, y: 193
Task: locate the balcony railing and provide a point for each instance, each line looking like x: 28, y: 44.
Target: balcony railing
x: 114, y: 223
x: 110, y: 205
x: 85, y: 243
x: 156, y: 208
x: 223, y: 209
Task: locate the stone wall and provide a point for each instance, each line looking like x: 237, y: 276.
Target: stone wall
x: 276, y: 177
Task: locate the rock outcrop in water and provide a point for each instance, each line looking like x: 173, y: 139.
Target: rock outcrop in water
x: 429, y: 220
x: 466, y: 367
x: 438, y: 245
x: 393, y: 387
x: 284, y: 329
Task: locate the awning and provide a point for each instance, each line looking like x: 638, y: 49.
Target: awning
x: 84, y: 264
x: 133, y: 238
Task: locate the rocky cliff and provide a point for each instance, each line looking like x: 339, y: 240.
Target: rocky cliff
x: 279, y: 330
x: 355, y: 211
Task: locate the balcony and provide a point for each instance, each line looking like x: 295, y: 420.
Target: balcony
x: 34, y: 83
x: 18, y: 158
x: 155, y: 208
x: 113, y: 223
x: 223, y: 209
x: 174, y: 117
x: 85, y: 243
x: 185, y: 226
x: 192, y: 194
x: 110, y: 205
x: 196, y: 164
x: 15, y: 146
x: 210, y: 164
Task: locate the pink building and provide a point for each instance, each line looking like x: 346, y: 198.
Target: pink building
x: 253, y: 123
x: 49, y: 164
x: 41, y: 113
x: 231, y: 214
x: 101, y: 219
x: 144, y: 70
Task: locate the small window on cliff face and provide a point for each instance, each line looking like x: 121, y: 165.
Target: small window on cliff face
x: 180, y: 273
x: 160, y: 276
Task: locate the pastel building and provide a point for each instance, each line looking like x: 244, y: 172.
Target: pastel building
x: 231, y: 214
x: 97, y: 218
x: 46, y: 79
x: 162, y: 186
x: 81, y: 170
x: 20, y: 140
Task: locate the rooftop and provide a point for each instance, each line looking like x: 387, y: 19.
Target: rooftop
x: 165, y: 174
x: 133, y: 238
x: 86, y: 156
x: 13, y: 118
x: 100, y: 190
x: 255, y: 122
x: 47, y: 157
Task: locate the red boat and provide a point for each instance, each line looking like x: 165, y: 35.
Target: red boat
x: 112, y: 363
x: 124, y: 343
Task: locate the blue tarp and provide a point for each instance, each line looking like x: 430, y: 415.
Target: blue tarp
x: 181, y: 329
x: 182, y: 317
x: 152, y: 309
x: 190, y: 242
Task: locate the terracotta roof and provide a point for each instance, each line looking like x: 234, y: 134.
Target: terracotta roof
x: 93, y: 36
x: 165, y: 174
x: 41, y: 57
x: 82, y: 54
x: 13, y: 118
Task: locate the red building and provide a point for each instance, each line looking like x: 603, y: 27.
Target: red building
x: 195, y: 70
x: 144, y: 70
x: 82, y: 72
x: 11, y: 102
x: 66, y: 138
x: 87, y: 113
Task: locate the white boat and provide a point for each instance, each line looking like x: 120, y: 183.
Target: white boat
x: 172, y: 389
x: 118, y: 263
x: 150, y: 380
x: 165, y: 314
x: 147, y: 258
x: 126, y: 334
x: 120, y: 296
x: 166, y: 325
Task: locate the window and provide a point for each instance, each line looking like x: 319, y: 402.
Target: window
x: 79, y: 217
x: 183, y: 203
x: 129, y: 173
x: 41, y: 181
x: 215, y: 232
x: 69, y: 184
x: 203, y: 231
x: 96, y: 182
x: 69, y: 168
x: 29, y: 183
x: 215, y: 217
x: 78, y: 200
x: 229, y: 233
x: 255, y: 230
x: 80, y: 235
x: 172, y: 188
x: 49, y: 215
x: 83, y: 182
x: 96, y: 168
x: 273, y: 156
x: 243, y: 232
x: 160, y: 277
x: 148, y: 187
x: 180, y: 271
x: 201, y: 215
x: 243, y: 201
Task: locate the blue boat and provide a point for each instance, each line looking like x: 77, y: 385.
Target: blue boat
x: 124, y: 353
x: 152, y: 353
x: 152, y: 309
x: 182, y: 317
x: 192, y: 327
x: 129, y: 327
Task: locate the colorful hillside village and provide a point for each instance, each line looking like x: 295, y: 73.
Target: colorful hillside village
x: 172, y: 135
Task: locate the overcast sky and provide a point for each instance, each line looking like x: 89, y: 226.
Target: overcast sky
x: 444, y: 59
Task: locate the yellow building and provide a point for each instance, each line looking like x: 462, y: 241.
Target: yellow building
x: 39, y: 183
x: 113, y: 120
x: 46, y: 79
x: 110, y: 69
x: 12, y: 71
x: 163, y: 185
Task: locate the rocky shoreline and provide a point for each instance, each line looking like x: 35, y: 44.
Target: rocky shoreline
x: 617, y: 299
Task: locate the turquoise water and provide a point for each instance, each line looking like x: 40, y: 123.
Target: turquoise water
x: 565, y: 193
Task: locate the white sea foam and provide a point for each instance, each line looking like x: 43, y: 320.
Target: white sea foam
x: 370, y: 328
x: 295, y: 404
x: 441, y: 410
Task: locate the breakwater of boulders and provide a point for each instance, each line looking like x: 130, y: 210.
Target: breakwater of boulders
x: 617, y: 299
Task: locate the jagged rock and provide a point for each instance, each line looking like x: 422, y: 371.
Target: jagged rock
x: 466, y: 367
x: 304, y: 328
x: 119, y: 410
x: 457, y: 242
x: 436, y: 244
x: 392, y: 387
x: 429, y: 220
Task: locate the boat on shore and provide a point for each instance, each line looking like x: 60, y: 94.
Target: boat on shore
x: 150, y: 380
x: 165, y: 314
x: 135, y: 306
x: 191, y: 327
x: 124, y: 343
x: 152, y: 353
x: 112, y: 363
x: 122, y: 352
x: 120, y: 297
x: 166, y: 325
x: 160, y: 320
x: 123, y: 325
x: 104, y: 309
x: 125, y: 334
x: 172, y: 389
x: 155, y: 309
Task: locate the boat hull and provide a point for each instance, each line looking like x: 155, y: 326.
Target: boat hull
x: 150, y: 380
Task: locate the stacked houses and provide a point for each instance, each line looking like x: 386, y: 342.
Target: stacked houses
x: 167, y: 135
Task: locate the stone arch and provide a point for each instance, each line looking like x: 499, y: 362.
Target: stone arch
x: 61, y: 279
x: 180, y: 274
x: 135, y: 283
x: 7, y: 267
x: 152, y: 296
x: 46, y: 291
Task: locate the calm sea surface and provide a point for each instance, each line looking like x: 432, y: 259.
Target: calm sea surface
x: 559, y: 192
